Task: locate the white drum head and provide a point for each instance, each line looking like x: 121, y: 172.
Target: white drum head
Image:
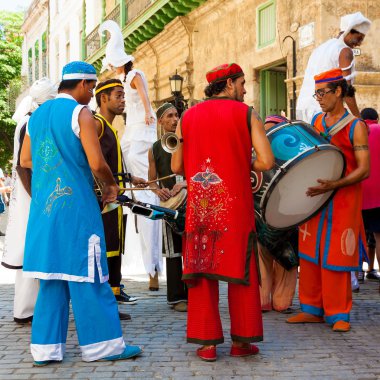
x: 288, y: 205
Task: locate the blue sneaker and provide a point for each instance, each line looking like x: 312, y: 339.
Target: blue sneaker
x: 128, y: 353
x: 42, y: 363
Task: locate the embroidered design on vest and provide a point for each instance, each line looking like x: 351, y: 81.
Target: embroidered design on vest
x: 48, y: 152
x: 207, y: 223
x: 57, y: 193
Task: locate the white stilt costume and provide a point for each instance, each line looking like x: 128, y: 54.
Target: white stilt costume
x: 135, y: 143
x: 26, y: 289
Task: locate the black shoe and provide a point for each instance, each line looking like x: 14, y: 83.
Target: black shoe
x: 373, y: 275
x: 2, y: 233
x: 125, y: 298
x: 23, y: 321
x: 124, y: 316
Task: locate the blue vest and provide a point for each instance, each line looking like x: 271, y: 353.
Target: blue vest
x: 65, y: 237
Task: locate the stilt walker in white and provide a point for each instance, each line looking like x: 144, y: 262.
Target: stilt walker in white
x: 139, y: 135
x: 26, y: 289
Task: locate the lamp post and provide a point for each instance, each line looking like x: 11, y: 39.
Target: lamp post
x: 294, y: 64
x: 176, y: 82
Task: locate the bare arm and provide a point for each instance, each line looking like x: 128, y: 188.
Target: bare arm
x: 264, y: 155
x: 163, y: 194
x: 346, y: 58
x: 25, y: 176
x: 99, y: 128
x: 363, y: 165
x: 138, y: 84
x: 26, y: 154
x: 98, y: 165
x: 177, y: 156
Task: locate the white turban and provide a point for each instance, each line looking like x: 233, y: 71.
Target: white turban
x: 354, y: 21
x: 40, y: 91
x: 115, y: 53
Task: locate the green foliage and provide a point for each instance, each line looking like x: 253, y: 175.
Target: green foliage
x: 10, y: 71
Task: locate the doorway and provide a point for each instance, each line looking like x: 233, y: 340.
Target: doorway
x: 273, y: 91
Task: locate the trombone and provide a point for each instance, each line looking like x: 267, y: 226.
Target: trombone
x: 170, y: 142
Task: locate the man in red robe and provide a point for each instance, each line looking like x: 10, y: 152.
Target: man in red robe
x: 220, y: 239
x: 331, y: 243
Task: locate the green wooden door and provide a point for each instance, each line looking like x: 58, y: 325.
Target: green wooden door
x: 273, y: 93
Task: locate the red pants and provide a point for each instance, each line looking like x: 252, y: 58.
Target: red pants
x: 325, y: 292
x: 203, y: 320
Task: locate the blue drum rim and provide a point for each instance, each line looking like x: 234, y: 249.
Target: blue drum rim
x: 276, y: 128
x: 289, y: 164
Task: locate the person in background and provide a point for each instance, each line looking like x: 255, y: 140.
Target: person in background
x: 26, y: 289
x: 278, y: 285
x: 138, y: 137
x: 334, y: 53
x: 371, y: 193
x: 159, y: 166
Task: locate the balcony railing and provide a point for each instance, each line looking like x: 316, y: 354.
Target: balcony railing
x: 134, y: 8
x: 92, y: 42
x: 140, y: 20
x: 114, y: 15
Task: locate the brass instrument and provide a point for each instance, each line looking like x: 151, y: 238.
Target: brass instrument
x: 170, y: 142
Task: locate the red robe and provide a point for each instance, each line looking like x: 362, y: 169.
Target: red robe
x: 220, y: 227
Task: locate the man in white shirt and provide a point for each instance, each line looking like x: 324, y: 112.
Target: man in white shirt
x: 334, y: 53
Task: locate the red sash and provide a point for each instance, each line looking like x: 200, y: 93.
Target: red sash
x: 335, y: 236
x: 220, y: 227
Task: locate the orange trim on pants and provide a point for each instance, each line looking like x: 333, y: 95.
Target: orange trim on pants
x: 203, y: 319
x: 325, y: 292
x: 277, y: 284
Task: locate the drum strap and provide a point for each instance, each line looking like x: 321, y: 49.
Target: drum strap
x: 341, y: 124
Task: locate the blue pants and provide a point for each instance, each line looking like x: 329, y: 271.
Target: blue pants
x: 96, y: 318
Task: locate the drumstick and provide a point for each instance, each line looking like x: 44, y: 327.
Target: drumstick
x: 159, y: 179
x: 148, y: 182
x: 137, y: 188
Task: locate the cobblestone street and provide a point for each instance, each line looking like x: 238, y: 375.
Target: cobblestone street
x: 288, y: 351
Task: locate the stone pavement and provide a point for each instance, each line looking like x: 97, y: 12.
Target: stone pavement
x: 288, y: 352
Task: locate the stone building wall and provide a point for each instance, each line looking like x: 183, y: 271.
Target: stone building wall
x: 223, y: 31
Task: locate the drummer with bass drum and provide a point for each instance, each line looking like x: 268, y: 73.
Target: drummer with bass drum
x: 169, y: 190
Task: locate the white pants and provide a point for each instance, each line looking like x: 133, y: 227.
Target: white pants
x: 26, y: 291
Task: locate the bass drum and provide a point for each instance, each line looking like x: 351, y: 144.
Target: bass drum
x: 178, y: 203
x: 281, y: 244
x: 301, y: 158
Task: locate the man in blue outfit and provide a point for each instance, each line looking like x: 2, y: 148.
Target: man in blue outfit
x: 65, y: 245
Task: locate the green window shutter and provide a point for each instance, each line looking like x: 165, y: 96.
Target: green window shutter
x: 266, y: 23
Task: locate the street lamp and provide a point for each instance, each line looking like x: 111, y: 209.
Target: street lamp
x: 176, y: 82
x: 293, y: 101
